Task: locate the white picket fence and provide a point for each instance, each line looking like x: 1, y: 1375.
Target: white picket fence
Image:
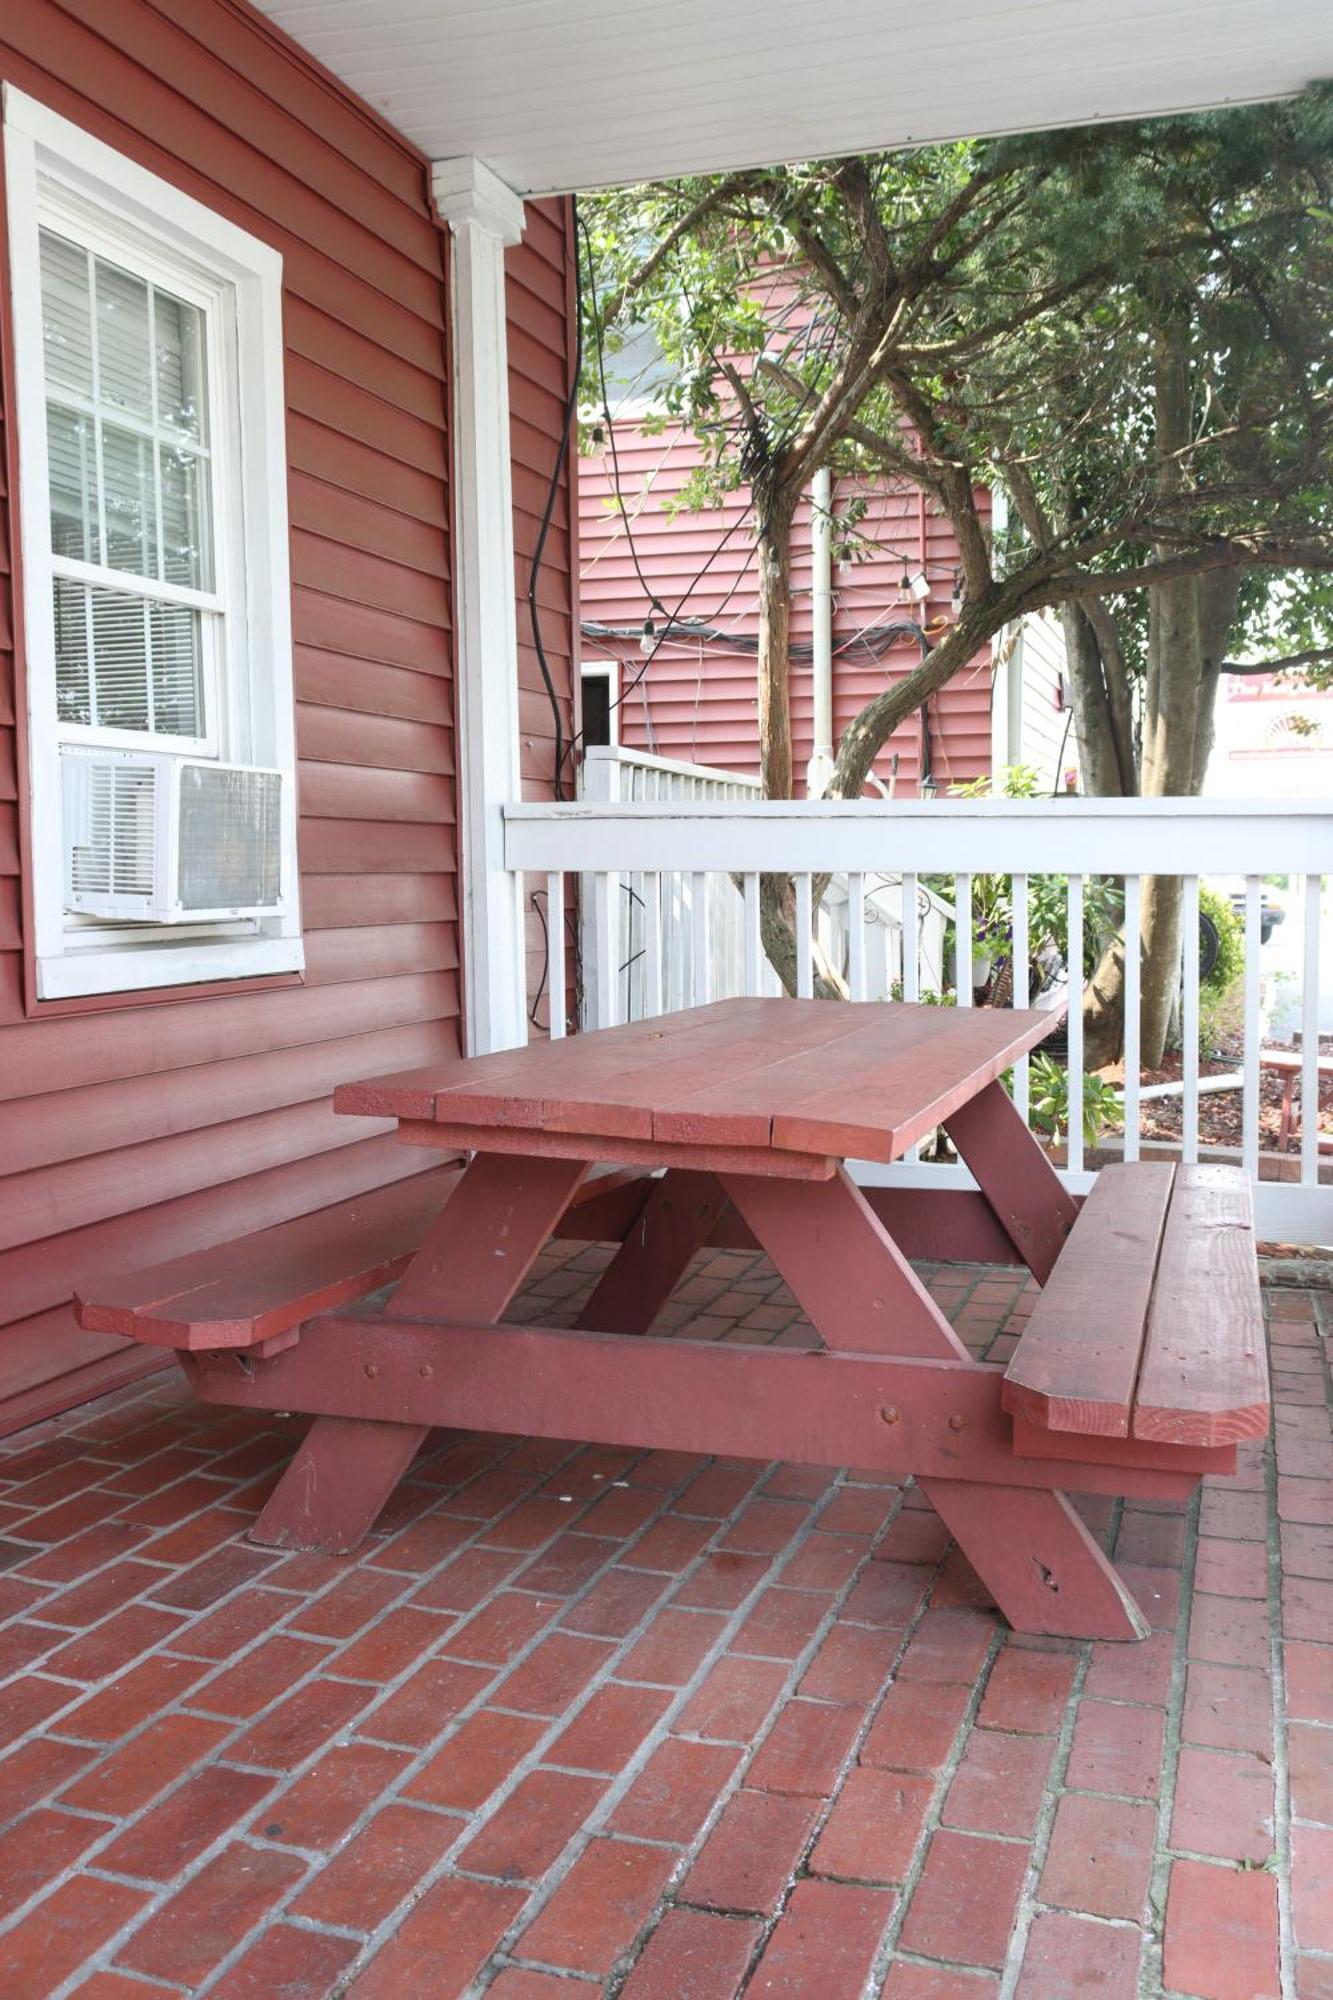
x: 682, y: 861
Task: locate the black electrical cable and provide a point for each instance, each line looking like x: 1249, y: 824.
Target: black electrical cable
x: 552, y: 495
x: 872, y: 640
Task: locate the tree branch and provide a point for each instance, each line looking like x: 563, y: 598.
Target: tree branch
x: 684, y: 226
x: 1317, y: 656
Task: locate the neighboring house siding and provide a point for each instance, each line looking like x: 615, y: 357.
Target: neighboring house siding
x: 1034, y: 727
x: 698, y: 702
x: 131, y: 1131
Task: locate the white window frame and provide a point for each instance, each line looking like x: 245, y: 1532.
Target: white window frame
x: 59, y: 176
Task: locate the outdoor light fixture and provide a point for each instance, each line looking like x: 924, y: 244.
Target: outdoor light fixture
x: 649, y: 642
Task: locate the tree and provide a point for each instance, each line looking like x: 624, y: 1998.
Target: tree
x: 1126, y: 328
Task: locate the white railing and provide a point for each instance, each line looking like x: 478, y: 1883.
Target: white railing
x: 654, y: 939
x: 687, y: 862
x: 636, y: 962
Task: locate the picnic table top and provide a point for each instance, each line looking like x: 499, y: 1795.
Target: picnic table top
x: 862, y: 1080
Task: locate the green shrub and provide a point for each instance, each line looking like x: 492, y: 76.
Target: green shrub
x: 1231, y: 940
x: 1048, y: 1095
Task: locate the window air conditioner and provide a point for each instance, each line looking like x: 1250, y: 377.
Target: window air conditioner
x: 159, y: 839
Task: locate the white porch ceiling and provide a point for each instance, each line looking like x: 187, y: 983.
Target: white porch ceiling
x: 560, y: 94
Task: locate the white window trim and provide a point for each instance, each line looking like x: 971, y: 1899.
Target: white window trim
x: 49, y: 159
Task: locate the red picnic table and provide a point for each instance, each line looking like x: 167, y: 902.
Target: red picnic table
x: 1125, y: 1381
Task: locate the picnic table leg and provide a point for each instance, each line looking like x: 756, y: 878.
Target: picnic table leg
x: 1028, y: 1545
x: 490, y: 1231
x: 1027, y: 1195
x: 1038, y: 1560
x: 679, y: 1216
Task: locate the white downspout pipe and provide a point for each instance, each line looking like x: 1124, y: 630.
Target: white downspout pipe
x: 820, y: 768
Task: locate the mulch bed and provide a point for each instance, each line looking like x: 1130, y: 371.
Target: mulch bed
x: 1220, y: 1112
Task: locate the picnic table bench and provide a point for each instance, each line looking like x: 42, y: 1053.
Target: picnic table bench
x: 1140, y: 1370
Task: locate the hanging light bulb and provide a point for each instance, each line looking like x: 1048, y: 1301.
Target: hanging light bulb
x: 650, y: 640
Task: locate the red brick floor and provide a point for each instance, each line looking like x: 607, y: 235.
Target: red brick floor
x: 581, y: 1721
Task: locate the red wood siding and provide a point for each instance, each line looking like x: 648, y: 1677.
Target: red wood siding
x: 698, y: 701
x: 541, y: 360
x: 132, y: 1131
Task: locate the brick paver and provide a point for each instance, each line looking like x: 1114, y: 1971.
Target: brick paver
x: 588, y: 1722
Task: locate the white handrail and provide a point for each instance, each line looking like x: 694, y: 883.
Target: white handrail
x: 670, y: 895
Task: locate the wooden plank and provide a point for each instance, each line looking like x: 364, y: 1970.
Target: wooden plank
x: 331, y: 1494
x: 609, y: 1082
x: 876, y: 1110
x: 479, y: 1249
x: 44, y: 1272
x: 236, y: 1294
x: 487, y: 1237
x: 1204, y: 1378
x: 756, y: 1099
x: 1078, y: 1359
x: 593, y: 1146
x: 1033, y: 1441
x: 927, y: 1225
x: 1016, y: 1177
x: 848, y: 1276
x: 679, y: 1216
x: 1040, y: 1563
x: 675, y: 1395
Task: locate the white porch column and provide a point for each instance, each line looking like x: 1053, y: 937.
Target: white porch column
x: 485, y: 217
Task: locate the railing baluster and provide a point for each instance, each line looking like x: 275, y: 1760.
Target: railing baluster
x: 652, y: 945
x: 702, y: 969
x: 1249, y: 1120
x: 1018, y: 899
x: 606, y: 932
x: 754, y: 948
x: 555, y: 955
x: 911, y: 937
x: 805, y: 961
x: 1314, y: 890
x: 1189, y: 1020
x: 856, y: 935
x: 1132, y: 989
x: 1074, y: 1021
x: 962, y: 934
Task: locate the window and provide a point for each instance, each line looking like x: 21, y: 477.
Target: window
x: 601, y: 703
x: 147, y: 334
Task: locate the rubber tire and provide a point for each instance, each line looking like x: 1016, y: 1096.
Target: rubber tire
x: 1210, y: 946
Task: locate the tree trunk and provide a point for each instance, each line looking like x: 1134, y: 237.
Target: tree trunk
x: 774, y: 663
x: 1102, y: 758
x: 1189, y: 618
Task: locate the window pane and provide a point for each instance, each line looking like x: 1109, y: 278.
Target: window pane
x: 120, y: 660
x: 187, y: 555
x: 131, y: 504
x: 66, y: 315
x: 72, y: 464
x: 124, y: 366
x: 178, y: 704
x: 181, y: 395
x: 73, y: 694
